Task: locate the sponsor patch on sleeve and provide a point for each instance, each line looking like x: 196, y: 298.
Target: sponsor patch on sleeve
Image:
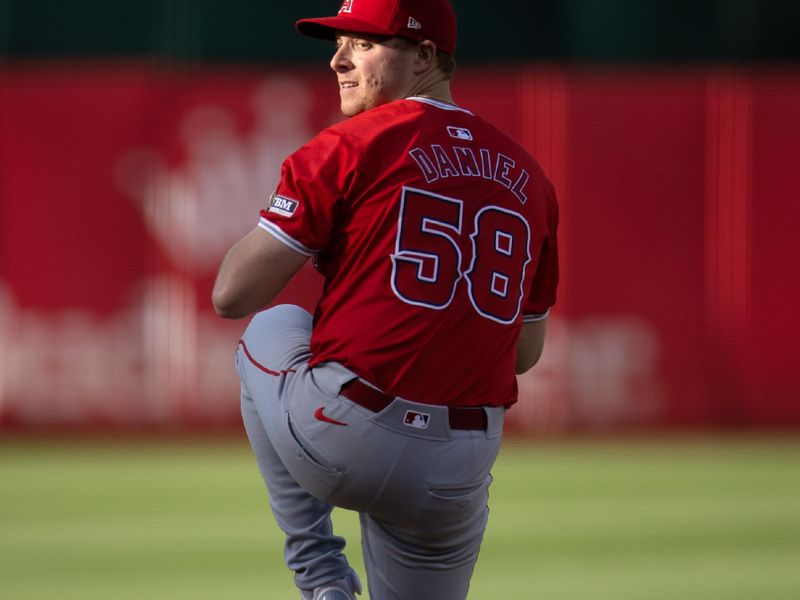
x: 280, y: 205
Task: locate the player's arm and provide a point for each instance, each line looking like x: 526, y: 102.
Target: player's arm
x: 253, y: 273
x: 530, y: 345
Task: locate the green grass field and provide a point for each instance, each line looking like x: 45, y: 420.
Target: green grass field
x: 624, y: 520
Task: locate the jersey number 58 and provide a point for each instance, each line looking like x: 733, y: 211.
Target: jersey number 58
x: 428, y: 262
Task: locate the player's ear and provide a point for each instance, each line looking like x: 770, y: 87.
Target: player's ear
x: 425, y: 56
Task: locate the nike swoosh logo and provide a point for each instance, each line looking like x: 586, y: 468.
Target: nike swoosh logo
x: 320, y: 415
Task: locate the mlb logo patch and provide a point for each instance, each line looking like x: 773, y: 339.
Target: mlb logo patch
x: 283, y: 206
x: 460, y: 133
x: 417, y: 420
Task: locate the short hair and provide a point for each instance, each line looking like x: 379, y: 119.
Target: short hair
x: 444, y: 60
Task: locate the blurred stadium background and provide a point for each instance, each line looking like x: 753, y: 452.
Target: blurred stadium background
x: 655, y: 449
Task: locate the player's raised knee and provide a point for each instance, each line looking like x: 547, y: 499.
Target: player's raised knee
x: 282, y: 316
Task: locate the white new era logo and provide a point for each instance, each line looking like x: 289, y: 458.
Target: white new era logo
x: 413, y: 23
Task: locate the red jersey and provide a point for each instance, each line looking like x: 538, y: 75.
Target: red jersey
x: 436, y: 235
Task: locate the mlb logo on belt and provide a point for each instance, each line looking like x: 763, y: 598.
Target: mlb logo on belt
x: 417, y: 420
x: 283, y: 206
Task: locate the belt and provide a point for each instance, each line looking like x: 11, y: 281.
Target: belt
x: 375, y: 400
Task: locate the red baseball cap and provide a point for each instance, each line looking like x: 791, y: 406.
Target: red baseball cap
x: 418, y: 20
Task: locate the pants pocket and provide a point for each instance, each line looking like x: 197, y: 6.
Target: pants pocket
x: 447, y: 509
x: 309, y: 468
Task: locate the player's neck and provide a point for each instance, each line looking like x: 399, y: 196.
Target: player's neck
x: 437, y: 89
x: 445, y: 99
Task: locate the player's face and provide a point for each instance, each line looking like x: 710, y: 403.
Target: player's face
x: 371, y: 72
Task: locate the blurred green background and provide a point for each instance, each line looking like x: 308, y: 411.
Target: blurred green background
x: 514, y: 30
x: 703, y: 519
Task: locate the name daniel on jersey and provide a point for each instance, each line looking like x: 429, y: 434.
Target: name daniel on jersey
x: 438, y: 162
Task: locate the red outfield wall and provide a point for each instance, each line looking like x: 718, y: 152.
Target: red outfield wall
x: 122, y: 186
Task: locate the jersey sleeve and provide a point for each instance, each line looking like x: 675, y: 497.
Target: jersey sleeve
x: 314, y: 180
x: 542, y: 295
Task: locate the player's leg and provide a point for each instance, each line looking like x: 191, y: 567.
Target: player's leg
x: 311, y: 549
x: 429, y: 553
x: 435, y: 566
x: 274, y: 343
x: 400, y: 566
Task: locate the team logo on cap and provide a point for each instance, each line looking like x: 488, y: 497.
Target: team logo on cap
x: 282, y: 206
x: 347, y: 6
x: 417, y: 420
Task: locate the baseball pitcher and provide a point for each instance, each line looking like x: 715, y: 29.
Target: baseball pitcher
x: 436, y: 236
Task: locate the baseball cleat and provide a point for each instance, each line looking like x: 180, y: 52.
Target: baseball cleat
x: 332, y: 593
x: 345, y: 588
